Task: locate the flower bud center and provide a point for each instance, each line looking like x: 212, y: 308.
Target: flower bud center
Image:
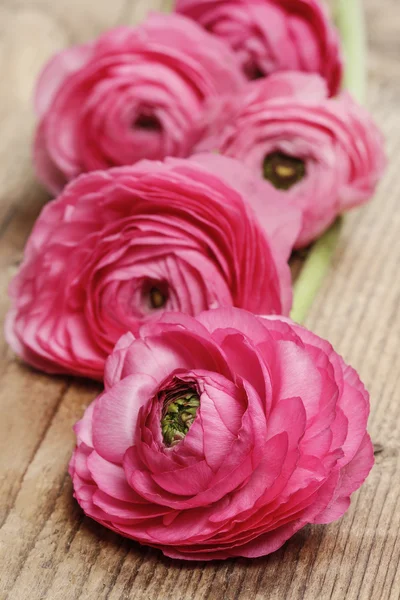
x: 254, y: 72
x: 147, y: 122
x: 282, y: 170
x: 181, y: 403
x: 157, y: 298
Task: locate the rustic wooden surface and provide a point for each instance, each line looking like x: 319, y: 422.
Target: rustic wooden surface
x: 48, y: 550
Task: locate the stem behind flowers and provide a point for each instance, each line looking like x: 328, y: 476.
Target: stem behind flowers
x: 349, y: 17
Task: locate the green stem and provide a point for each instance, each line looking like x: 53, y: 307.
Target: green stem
x: 349, y: 16
x: 313, y: 272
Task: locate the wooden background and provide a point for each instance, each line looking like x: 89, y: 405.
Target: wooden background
x: 48, y: 550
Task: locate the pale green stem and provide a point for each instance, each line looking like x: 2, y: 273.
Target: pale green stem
x: 349, y: 16
x: 314, y: 271
x: 350, y: 20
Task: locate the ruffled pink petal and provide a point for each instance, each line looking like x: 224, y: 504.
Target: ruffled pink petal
x: 115, y: 415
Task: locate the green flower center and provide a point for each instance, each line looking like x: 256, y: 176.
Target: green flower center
x: 157, y: 298
x: 282, y: 170
x: 155, y: 293
x: 180, y: 406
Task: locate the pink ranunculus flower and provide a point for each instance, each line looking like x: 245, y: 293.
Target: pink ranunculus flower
x: 134, y: 93
x: 273, y: 35
x: 221, y: 435
x: 120, y: 246
x: 326, y: 155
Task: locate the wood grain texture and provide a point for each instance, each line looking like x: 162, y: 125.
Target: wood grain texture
x: 48, y: 550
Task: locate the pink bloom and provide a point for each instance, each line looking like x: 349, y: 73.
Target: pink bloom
x: 120, y: 246
x: 134, y: 93
x: 273, y: 35
x: 221, y: 436
x: 326, y: 154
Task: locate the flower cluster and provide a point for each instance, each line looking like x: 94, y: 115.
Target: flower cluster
x: 190, y: 155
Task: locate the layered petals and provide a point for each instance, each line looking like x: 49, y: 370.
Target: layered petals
x: 269, y: 36
x: 133, y: 93
x: 119, y: 247
x: 324, y: 155
x: 269, y: 434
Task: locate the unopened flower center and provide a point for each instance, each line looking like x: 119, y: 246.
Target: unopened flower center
x: 180, y: 406
x: 154, y: 294
x: 147, y: 122
x: 157, y: 297
x: 255, y: 73
x: 282, y: 170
